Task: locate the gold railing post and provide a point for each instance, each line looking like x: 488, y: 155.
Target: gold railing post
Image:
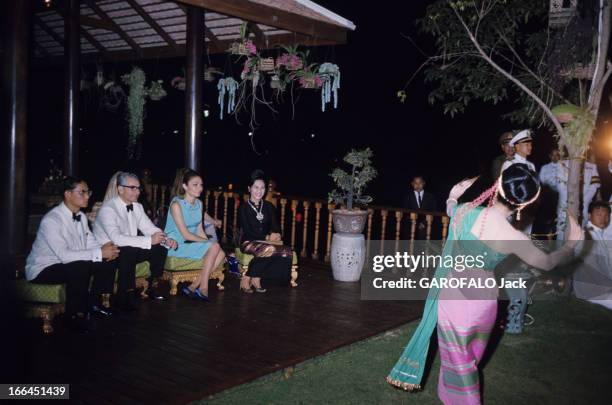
x: 306, y: 205
x: 413, y: 224
x: 154, y: 197
x: 293, y: 213
x: 226, y: 196
x: 216, y: 194
x: 369, y: 231
x: 283, y: 203
x: 315, y: 254
x: 206, y: 197
x: 429, y: 220
x: 445, y: 220
x: 330, y: 208
x: 236, y: 198
x: 398, y: 226
x: 383, y: 228
x: 163, y: 198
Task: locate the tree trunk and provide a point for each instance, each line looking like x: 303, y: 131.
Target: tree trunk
x: 573, y: 184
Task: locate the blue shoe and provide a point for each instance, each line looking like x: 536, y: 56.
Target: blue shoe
x: 201, y: 296
x: 186, y: 291
x: 233, y: 265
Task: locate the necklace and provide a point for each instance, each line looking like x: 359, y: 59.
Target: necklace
x: 258, y: 212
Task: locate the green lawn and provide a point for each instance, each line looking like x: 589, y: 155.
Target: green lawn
x: 564, y: 358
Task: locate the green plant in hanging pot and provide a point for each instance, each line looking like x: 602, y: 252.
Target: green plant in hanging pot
x: 135, y: 80
x: 291, y: 59
x: 156, y: 90
x: 244, y: 46
x: 350, y: 186
x: 309, y: 78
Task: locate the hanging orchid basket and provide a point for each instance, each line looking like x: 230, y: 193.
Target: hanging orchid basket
x: 209, y: 74
x: 276, y: 83
x: 245, y: 47
x: 266, y: 64
x: 156, y: 91
x: 290, y: 61
x: 311, y: 81
x: 178, y: 83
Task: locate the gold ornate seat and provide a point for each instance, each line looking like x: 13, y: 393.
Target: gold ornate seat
x: 244, y: 260
x: 178, y: 270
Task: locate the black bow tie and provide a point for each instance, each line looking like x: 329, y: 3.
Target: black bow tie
x: 130, y: 207
x: 76, y: 217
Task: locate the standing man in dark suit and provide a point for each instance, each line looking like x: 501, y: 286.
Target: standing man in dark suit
x: 507, y: 154
x: 419, y: 199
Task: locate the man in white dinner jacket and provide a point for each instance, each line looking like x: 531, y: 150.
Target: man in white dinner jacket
x: 66, y: 252
x: 119, y: 220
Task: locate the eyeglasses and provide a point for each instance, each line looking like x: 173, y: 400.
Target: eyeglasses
x: 131, y: 187
x: 88, y: 193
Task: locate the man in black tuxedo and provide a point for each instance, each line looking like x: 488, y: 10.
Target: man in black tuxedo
x: 419, y: 199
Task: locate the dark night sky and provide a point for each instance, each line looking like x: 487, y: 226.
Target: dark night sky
x: 407, y: 139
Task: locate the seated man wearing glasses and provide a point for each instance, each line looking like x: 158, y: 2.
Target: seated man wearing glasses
x: 119, y: 220
x: 66, y: 252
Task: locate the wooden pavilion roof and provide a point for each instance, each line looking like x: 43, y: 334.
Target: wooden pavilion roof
x: 141, y: 29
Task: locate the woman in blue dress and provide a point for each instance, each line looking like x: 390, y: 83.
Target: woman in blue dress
x: 184, y: 225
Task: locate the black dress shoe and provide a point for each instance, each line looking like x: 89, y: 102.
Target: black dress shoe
x: 101, y: 311
x: 155, y: 295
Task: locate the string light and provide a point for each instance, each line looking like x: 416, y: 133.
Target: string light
x: 48, y: 3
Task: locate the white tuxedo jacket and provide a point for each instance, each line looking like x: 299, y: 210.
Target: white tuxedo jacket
x: 60, y: 239
x: 114, y: 223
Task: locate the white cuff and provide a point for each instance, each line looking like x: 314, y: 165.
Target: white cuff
x: 146, y: 242
x: 96, y: 255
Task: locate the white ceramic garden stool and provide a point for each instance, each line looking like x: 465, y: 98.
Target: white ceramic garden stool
x: 347, y: 256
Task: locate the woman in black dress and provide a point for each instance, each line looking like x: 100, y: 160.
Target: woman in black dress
x: 261, y: 238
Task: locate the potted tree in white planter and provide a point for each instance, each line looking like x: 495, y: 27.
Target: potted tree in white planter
x: 348, y: 243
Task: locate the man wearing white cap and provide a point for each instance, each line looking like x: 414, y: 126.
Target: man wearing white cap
x: 523, y: 144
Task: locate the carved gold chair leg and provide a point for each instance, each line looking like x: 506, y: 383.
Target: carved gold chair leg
x: 46, y: 312
x: 294, y: 276
x: 220, y: 279
x: 173, y: 286
x: 106, y: 300
x: 142, y: 283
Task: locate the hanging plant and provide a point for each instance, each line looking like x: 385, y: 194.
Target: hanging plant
x: 309, y: 78
x: 135, y: 80
x: 331, y: 84
x: 210, y: 72
x: 112, y: 96
x: 266, y: 64
x: 292, y: 59
x: 156, y: 91
x: 178, y: 83
x: 244, y: 46
x: 227, y: 86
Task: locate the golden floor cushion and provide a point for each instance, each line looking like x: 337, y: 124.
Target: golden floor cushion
x: 245, y: 259
x: 33, y: 292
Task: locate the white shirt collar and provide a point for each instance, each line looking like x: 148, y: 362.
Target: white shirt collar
x: 122, y: 203
x: 66, y: 211
x: 595, y: 228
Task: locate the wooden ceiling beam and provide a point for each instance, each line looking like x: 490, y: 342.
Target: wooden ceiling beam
x: 96, y: 23
x: 274, y: 17
x: 85, y: 34
x: 145, y: 16
x: 48, y: 30
x: 116, y: 27
x: 179, y: 51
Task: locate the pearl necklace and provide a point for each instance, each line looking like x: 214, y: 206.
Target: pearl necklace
x: 258, y: 212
